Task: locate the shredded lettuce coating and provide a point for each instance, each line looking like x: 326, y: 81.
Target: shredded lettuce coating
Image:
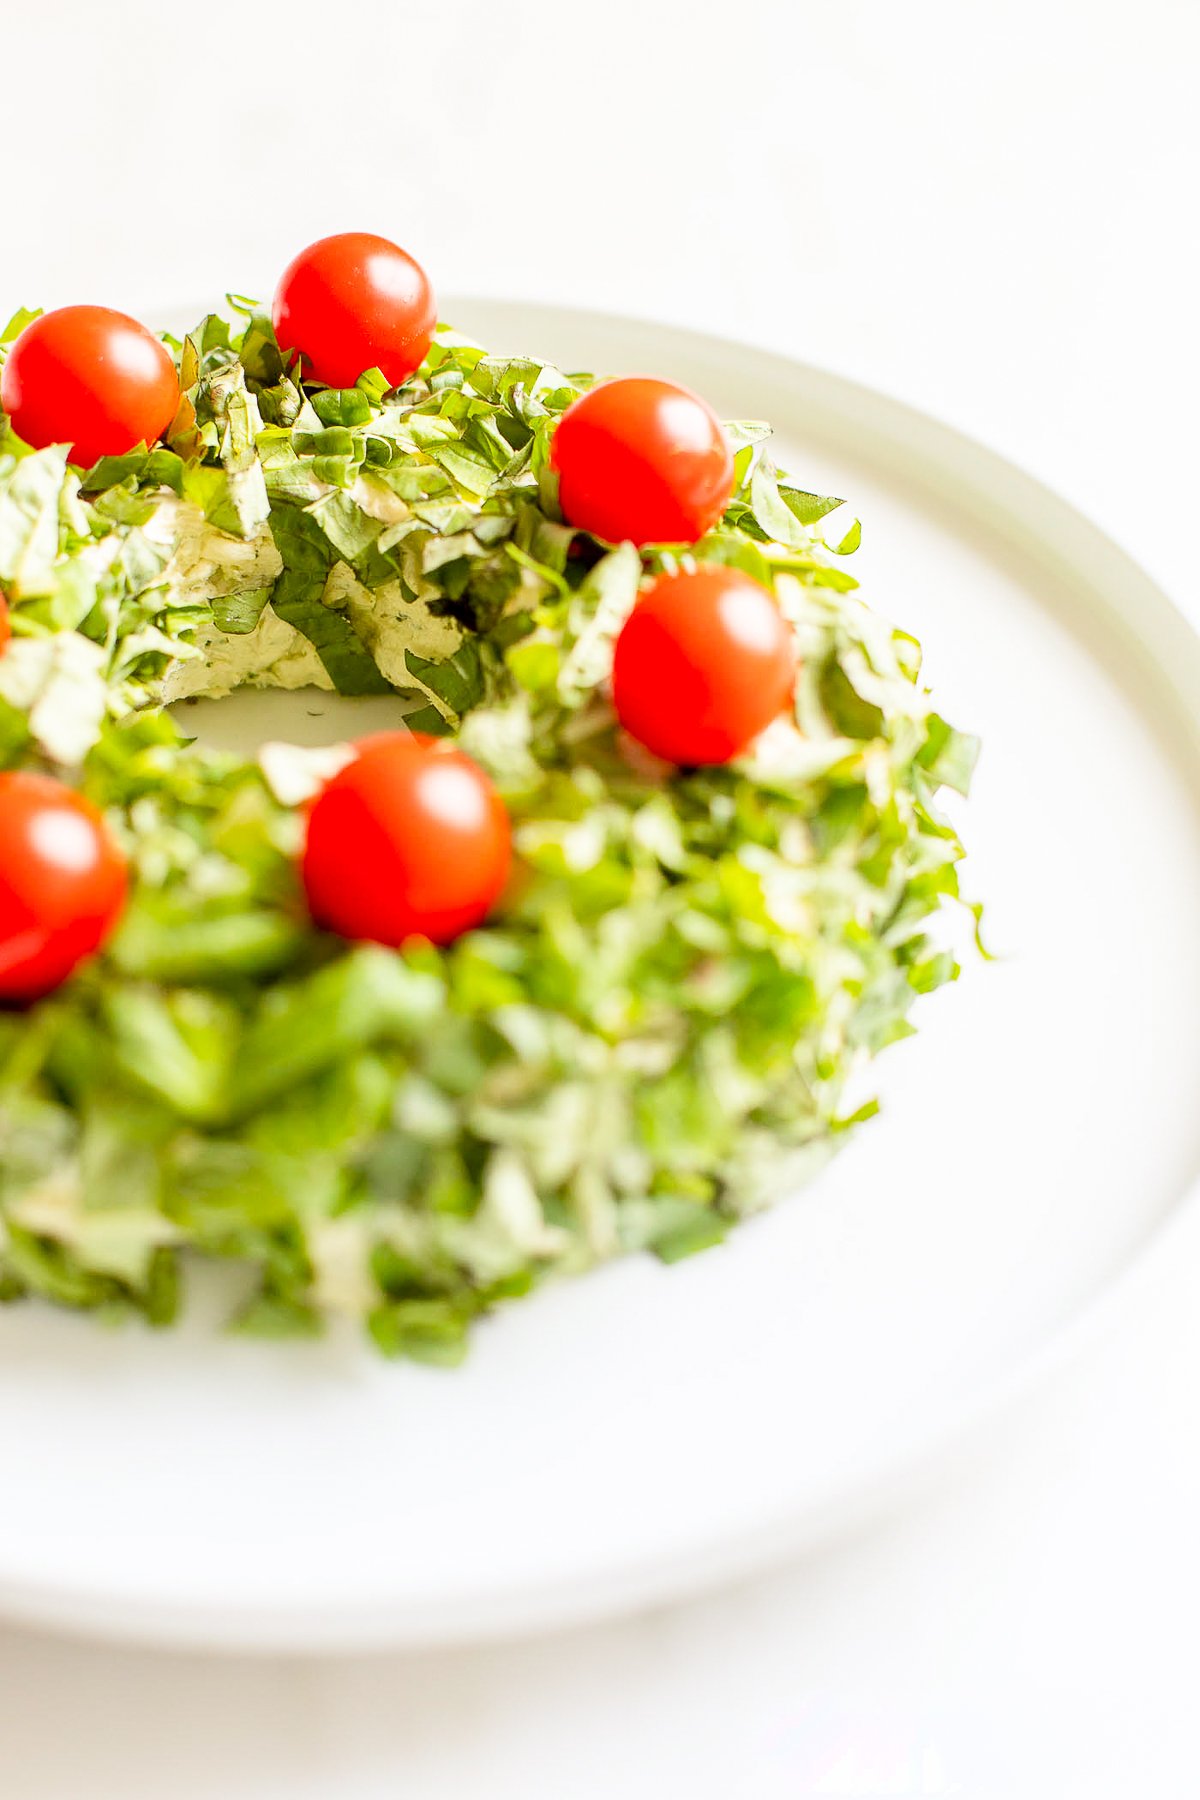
x: 653, y: 1036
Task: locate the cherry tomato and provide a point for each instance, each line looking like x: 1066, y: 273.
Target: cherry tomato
x: 643, y: 460
x: 5, y: 627
x: 355, y: 302
x: 409, y: 840
x: 62, y: 884
x: 91, y: 378
x: 703, y: 663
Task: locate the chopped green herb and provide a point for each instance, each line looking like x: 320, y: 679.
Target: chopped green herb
x: 651, y: 1037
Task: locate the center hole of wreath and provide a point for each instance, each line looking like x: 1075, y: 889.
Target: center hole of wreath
x: 245, y: 720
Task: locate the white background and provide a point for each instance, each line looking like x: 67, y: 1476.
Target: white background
x: 988, y: 210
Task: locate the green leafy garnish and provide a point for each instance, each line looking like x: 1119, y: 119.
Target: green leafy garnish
x: 653, y: 1035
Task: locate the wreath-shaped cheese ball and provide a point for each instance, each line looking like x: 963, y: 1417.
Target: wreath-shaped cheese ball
x: 576, y: 961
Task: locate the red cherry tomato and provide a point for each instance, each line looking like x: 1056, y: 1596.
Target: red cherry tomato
x: 355, y: 302
x: 91, y: 378
x: 62, y: 884
x: 703, y: 663
x: 642, y: 460
x: 5, y: 627
x: 409, y: 840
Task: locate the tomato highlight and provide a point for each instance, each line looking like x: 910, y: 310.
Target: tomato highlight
x: 644, y: 461
x: 704, y: 662
x: 62, y: 884
x: 410, y: 839
x: 92, y: 379
x: 355, y: 302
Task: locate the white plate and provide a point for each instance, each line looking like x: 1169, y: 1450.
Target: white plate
x: 643, y: 1432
